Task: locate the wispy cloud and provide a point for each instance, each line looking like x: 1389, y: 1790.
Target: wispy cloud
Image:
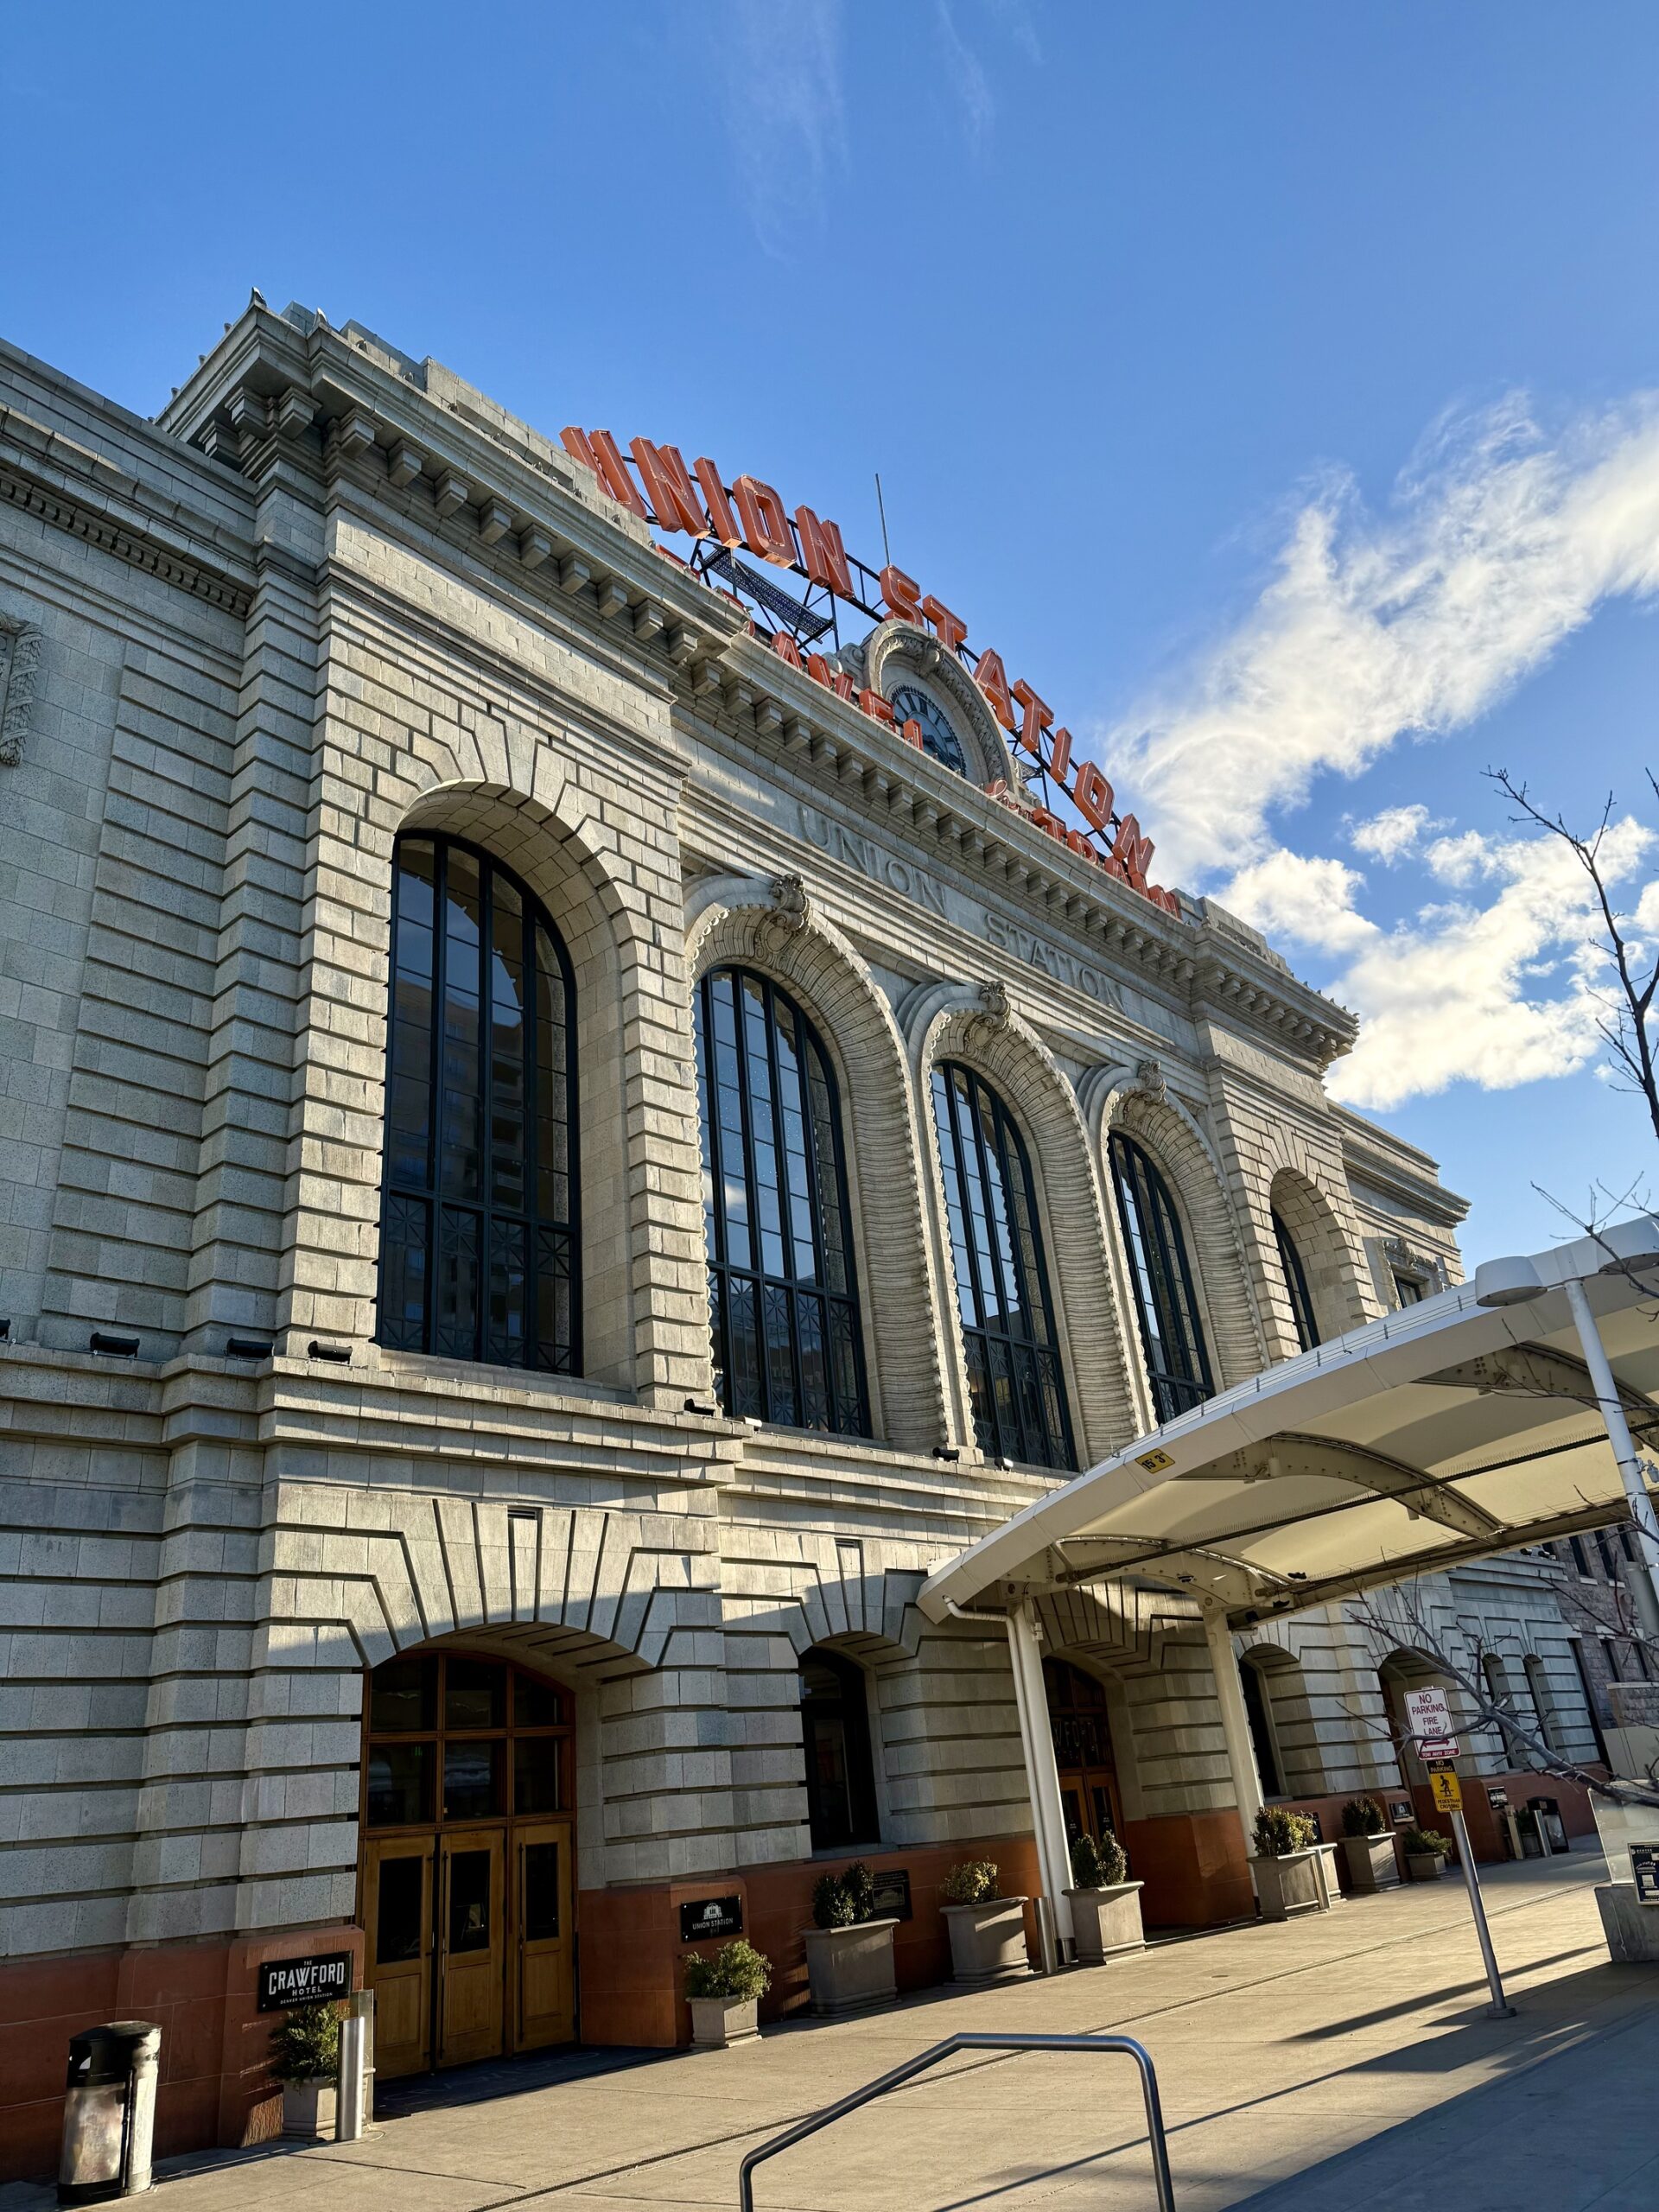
x: 1389, y: 835
x: 1499, y: 543
x: 968, y: 78
x: 779, y: 72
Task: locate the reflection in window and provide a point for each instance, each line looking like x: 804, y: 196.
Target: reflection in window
x: 1290, y: 1267
x: 477, y: 1242
x: 835, y: 1732
x: 782, y: 1299
x: 1171, y: 1338
x: 455, y: 1737
x: 996, y: 1252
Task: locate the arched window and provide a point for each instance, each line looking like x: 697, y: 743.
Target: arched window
x: 835, y: 1730
x: 1290, y: 1266
x: 783, y: 1299
x: 1177, y: 1366
x: 478, y: 1238
x: 996, y: 1252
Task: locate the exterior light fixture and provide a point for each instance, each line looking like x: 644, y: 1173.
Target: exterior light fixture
x: 1507, y: 1282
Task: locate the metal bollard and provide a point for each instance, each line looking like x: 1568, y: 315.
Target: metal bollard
x: 354, y: 2103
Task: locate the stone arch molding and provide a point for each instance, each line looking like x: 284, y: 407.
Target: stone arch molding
x: 1327, y: 1244
x: 849, y: 1593
x: 977, y: 1024
x: 1139, y: 1101
x: 768, y: 923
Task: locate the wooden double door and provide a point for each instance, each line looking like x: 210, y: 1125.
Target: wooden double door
x: 1083, y: 1752
x: 470, y: 1943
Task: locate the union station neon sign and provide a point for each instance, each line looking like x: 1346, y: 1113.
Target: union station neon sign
x: 661, y: 491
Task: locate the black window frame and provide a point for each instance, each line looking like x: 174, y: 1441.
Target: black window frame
x: 550, y: 1247
x: 747, y: 1383
x: 1155, y: 1246
x: 1016, y: 1377
x: 1295, y: 1281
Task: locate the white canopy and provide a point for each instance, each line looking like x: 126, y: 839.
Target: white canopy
x: 1460, y: 1426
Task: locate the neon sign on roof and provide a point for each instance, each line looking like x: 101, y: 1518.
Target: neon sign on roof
x: 661, y: 491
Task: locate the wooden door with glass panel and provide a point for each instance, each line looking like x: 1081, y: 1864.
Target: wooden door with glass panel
x: 1082, y: 1752
x: 468, y: 1874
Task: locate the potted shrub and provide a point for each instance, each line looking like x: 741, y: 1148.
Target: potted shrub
x: 1286, y: 1868
x: 1368, y: 1847
x: 725, y: 1994
x: 848, y: 1952
x: 305, y: 2058
x: 987, y: 1930
x: 1425, y: 1850
x: 1105, y: 1904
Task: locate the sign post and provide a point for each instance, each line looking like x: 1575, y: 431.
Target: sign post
x: 1430, y: 1722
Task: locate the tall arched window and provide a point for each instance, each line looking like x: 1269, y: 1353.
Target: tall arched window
x: 840, y: 1772
x: 996, y: 1252
x: 1290, y: 1266
x: 1171, y: 1338
x: 783, y: 1298
x: 478, y: 1239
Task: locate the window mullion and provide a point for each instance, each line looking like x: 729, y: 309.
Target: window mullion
x: 977, y: 1123
x: 785, y: 1196
x: 751, y: 1185
x: 1005, y: 1148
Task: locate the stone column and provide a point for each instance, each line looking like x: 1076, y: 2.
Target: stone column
x: 1042, y: 1775
x: 1234, y: 1722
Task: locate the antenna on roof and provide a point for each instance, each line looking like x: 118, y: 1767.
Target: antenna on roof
x: 882, y: 508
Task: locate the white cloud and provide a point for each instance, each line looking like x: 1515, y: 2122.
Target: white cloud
x: 780, y: 82
x: 1458, y: 860
x: 1498, y: 995
x: 1498, y: 545
x: 968, y: 78
x: 1389, y: 837
x: 1288, y: 894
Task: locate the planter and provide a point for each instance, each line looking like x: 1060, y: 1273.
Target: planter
x: 1424, y: 1865
x: 851, y: 1968
x: 987, y: 1941
x: 717, y: 2021
x: 309, y: 2109
x: 1371, y: 1863
x: 1106, y: 1923
x: 1291, y: 1883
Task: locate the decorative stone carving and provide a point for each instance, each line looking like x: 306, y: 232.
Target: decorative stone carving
x: 991, y: 1016
x: 20, y: 657
x: 790, y: 912
x: 1149, y: 1081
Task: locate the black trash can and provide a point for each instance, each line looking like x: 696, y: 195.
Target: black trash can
x: 109, y: 2113
x: 1549, y: 1819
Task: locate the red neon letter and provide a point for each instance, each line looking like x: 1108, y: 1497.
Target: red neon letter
x: 786, y: 648
x: 946, y: 628
x: 901, y: 594
x: 1133, y: 852
x: 1092, y: 795
x: 720, y: 507
x: 766, y: 525
x: 992, y: 679
x: 577, y: 445
x: 822, y: 554
x: 1035, y: 721
x: 613, y: 474
x: 1059, y: 753
x: 668, y: 486
x: 875, y: 706
x: 912, y: 734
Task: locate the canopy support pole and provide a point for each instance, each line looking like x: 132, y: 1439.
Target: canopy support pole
x: 1618, y: 1429
x: 1234, y: 1722
x: 1042, y: 1775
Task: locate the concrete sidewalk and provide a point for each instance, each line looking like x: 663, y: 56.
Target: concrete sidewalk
x: 1342, y: 2058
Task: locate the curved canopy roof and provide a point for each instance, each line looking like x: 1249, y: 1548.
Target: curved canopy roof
x: 1441, y: 1434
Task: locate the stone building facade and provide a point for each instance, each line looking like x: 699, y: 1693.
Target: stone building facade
x: 331, y: 640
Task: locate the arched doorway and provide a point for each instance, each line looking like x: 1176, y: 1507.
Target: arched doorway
x: 467, y: 1883
x: 1082, y: 1752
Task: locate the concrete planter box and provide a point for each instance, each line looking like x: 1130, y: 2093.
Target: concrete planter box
x: 988, y: 1942
x: 1630, y: 1927
x: 1290, y: 1885
x: 851, y: 1968
x: 1106, y: 1923
x: 717, y: 2021
x: 1371, y: 1863
x: 1424, y: 1865
x: 309, y: 2109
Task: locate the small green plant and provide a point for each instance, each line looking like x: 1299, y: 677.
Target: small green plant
x: 1362, y: 1816
x: 1278, y: 1830
x: 843, y: 1900
x: 305, y: 2044
x: 1099, y: 1866
x: 1424, y: 1843
x: 971, y: 1882
x: 736, y: 1971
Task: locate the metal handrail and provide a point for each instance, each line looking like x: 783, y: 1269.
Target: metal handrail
x: 1110, y: 2044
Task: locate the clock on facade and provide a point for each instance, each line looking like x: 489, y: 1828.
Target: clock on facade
x: 938, y: 738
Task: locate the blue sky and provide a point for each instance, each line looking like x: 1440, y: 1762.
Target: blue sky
x: 1273, y: 387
